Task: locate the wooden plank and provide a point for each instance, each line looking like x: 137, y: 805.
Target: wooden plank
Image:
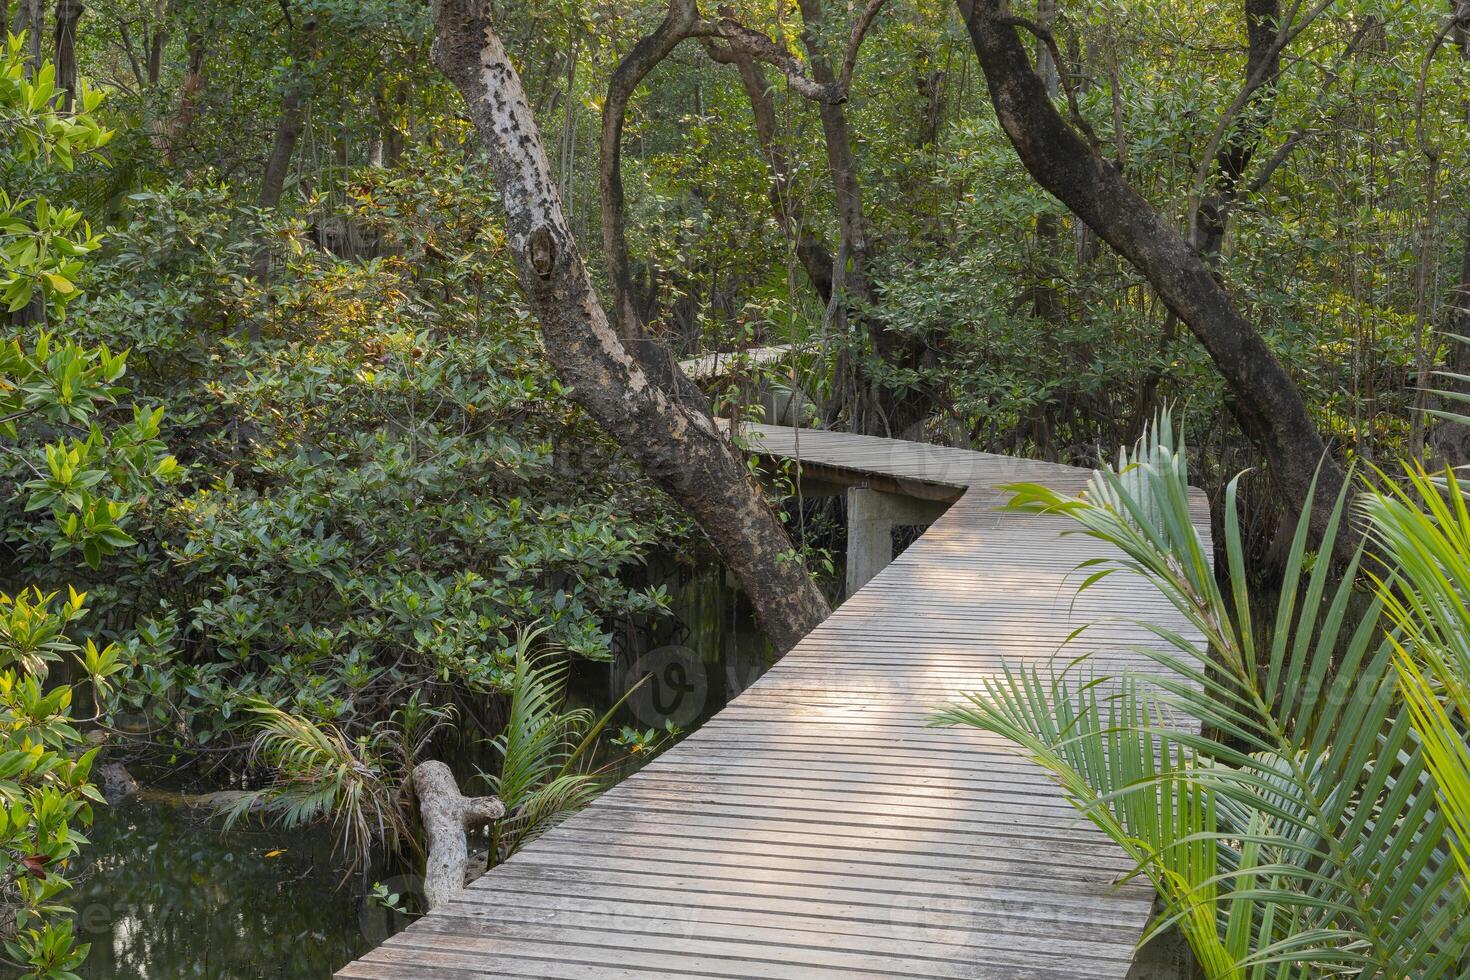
x: 819, y: 826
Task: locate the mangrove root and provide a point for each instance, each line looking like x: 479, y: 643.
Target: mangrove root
x: 448, y: 815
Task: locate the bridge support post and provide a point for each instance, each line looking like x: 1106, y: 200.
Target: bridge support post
x: 871, y: 517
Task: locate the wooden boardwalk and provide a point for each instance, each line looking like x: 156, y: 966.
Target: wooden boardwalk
x: 715, y: 365
x: 817, y: 828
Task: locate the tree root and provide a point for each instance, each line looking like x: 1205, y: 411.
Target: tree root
x: 448, y: 815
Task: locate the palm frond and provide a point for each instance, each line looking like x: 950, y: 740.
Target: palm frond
x: 546, y: 752
x: 1423, y: 531
x: 1302, y: 838
x: 318, y: 777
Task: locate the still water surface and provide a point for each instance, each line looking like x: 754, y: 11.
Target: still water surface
x: 166, y: 893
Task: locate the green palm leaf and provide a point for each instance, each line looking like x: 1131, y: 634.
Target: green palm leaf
x: 1423, y: 532
x: 320, y: 776
x: 546, y: 765
x: 1303, y: 836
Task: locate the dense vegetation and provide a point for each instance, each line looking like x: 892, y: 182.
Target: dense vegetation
x: 314, y: 461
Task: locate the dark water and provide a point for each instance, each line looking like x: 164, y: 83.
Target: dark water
x: 167, y: 893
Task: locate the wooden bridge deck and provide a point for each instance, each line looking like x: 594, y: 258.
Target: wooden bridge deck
x: 714, y: 365
x: 816, y: 827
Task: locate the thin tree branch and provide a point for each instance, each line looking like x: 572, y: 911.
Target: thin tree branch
x: 811, y: 251
x: 760, y: 47
x: 1302, y: 133
x: 1266, y: 69
x: 1046, y: 37
x: 681, y: 22
x: 855, y: 41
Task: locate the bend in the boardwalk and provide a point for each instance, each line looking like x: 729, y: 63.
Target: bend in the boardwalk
x: 818, y: 827
x: 720, y: 363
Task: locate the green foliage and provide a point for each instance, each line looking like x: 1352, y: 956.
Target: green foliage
x: 41, y: 245
x: 88, y: 482
x: 63, y: 455
x: 1307, y: 837
x: 385, y: 482
x: 45, y: 796
x: 1423, y: 531
x: 388, y: 484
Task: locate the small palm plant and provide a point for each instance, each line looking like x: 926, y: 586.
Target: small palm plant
x: 362, y: 787
x: 323, y: 776
x: 547, y: 764
x: 1308, y: 837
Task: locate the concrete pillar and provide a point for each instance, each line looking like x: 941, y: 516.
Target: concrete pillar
x: 869, y: 537
x: 871, y: 518
x: 788, y: 405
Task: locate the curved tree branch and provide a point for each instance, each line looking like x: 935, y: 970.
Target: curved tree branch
x: 742, y: 47
x: 681, y: 22
x: 811, y: 250
x: 1264, y: 399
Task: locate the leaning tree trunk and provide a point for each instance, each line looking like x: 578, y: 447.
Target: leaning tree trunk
x: 675, y: 442
x: 1264, y: 399
x: 892, y: 413
x: 786, y: 203
x: 277, y: 165
x: 283, y: 145
x: 177, y: 128
x: 1238, y: 147
x: 68, y: 14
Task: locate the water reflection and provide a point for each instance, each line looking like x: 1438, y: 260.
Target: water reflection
x: 167, y: 893
x: 699, y: 658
